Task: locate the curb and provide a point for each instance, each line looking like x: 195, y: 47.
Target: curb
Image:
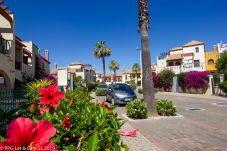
x: 178, y: 116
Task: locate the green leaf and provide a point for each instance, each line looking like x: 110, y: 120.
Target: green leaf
x: 93, y: 142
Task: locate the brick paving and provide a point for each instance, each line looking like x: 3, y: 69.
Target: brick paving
x: 204, y: 130
x: 138, y: 143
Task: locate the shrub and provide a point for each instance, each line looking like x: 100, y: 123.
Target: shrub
x: 92, y: 86
x: 165, y: 78
x: 165, y: 108
x: 197, y: 80
x: 79, y: 123
x: 101, y: 92
x: 133, y: 84
x: 223, y: 86
x: 140, y: 91
x: 137, y: 109
x: 181, y: 80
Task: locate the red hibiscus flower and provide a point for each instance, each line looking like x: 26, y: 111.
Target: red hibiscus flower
x: 43, y: 109
x: 21, y: 132
x: 50, y: 95
x: 66, y: 122
x: 104, y: 104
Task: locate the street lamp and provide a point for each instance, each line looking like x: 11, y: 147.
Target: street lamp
x: 141, y: 70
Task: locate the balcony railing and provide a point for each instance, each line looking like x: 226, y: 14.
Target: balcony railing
x: 27, y: 69
x: 4, y: 46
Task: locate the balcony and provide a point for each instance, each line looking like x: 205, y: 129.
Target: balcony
x: 27, y: 69
x: 4, y: 46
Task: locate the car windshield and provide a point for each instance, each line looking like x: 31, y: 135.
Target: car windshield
x: 102, y: 86
x: 122, y: 87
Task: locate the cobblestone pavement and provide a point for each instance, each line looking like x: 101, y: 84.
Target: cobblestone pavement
x: 138, y: 143
x: 202, y: 130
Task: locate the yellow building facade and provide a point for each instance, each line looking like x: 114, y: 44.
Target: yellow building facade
x: 211, y: 60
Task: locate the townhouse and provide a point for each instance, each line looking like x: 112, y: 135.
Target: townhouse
x: 18, y: 60
x: 186, y: 58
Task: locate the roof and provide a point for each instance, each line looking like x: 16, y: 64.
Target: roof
x: 176, y: 49
x: 193, y: 43
x: 4, y: 12
x: 174, y: 57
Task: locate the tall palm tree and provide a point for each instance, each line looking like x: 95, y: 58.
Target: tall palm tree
x: 101, y: 51
x: 149, y: 92
x: 114, y: 66
x: 136, y: 70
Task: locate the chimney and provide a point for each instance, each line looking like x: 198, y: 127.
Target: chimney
x: 47, y: 55
x: 216, y: 48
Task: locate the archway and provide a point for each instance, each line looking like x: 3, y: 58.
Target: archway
x: 6, y: 83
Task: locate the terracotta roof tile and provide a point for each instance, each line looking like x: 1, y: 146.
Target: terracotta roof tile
x: 193, y: 43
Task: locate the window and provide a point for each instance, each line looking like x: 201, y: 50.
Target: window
x: 126, y: 77
x: 197, y: 49
x: 196, y: 63
x: 210, y: 61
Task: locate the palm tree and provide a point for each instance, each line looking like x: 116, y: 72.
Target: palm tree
x: 101, y: 51
x: 114, y: 66
x: 148, y: 93
x: 136, y: 70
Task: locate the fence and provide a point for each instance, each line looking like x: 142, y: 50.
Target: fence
x: 10, y: 97
x: 8, y: 101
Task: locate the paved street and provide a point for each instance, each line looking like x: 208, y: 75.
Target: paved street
x: 199, y: 130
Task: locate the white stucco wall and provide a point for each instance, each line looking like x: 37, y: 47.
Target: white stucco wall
x: 197, y: 56
x: 62, y: 77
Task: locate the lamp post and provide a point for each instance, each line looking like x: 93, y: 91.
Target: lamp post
x: 141, y: 70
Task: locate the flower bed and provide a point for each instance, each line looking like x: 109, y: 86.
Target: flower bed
x: 62, y: 121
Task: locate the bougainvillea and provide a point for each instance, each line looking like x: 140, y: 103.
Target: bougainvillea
x: 196, y: 80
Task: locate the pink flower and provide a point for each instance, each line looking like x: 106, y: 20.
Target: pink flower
x: 21, y: 132
x: 50, y: 95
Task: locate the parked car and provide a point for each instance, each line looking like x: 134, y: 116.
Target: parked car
x: 120, y: 93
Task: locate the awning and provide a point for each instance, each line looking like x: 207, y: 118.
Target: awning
x: 174, y: 57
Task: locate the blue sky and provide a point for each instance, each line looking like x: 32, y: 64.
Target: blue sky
x: 69, y: 29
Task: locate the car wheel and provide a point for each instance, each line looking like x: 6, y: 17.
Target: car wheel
x: 112, y: 101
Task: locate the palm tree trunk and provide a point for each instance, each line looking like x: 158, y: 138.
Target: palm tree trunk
x: 149, y: 92
x: 104, y: 69
x: 115, y: 76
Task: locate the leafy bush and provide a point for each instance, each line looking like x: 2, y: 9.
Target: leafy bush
x: 165, y: 108
x: 196, y: 80
x: 77, y: 123
x: 101, y: 92
x: 165, y: 78
x: 140, y: 91
x: 133, y: 84
x: 223, y: 86
x: 92, y: 86
x: 181, y: 80
x: 137, y: 109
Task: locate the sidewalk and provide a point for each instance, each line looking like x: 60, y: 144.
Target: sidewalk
x: 138, y: 143
x: 194, y: 95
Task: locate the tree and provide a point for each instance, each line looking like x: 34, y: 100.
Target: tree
x: 149, y: 92
x: 136, y: 70
x: 114, y: 66
x: 221, y: 64
x: 101, y: 52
